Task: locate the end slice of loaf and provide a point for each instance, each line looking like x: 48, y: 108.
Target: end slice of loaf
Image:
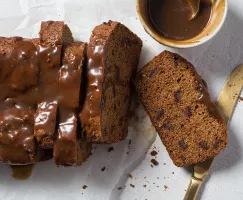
x: 113, y: 55
x: 179, y: 106
x: 17, y: 143
x: 70, y: 148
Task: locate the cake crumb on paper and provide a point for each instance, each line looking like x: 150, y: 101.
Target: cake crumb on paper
x: 165, y: 187
x: 155, y: 162
x: 154, y: 153
x: 84, y: 187
x: 130, y: 175
x: 103, y: 169
x: 111, y: 149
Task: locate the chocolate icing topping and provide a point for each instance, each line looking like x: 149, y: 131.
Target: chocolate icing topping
x: 92, y: 106
x: 28, y: 78
x: 65, y: 151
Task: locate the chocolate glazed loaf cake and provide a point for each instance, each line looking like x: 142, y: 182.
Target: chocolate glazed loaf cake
x: 69, y: 147
x: 179, y: 106
x: 28, y: 78
x: 39, y: 97
x: 113, y: 55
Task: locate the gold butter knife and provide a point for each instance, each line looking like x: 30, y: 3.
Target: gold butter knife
x: 226, y: 103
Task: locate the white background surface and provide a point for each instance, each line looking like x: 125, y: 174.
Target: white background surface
x: 214, y: 61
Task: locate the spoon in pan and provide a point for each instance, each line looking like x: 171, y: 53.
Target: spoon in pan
x: 194, y: 8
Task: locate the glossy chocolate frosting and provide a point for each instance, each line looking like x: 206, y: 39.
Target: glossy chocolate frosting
x: 28, y: 77
x: 95, y: 76
x: 67, y: 144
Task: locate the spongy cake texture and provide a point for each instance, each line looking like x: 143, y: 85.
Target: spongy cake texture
x: 179, y: 106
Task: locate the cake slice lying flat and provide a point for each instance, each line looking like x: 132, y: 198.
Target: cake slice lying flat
x: 113, y: 55
x: 179, y: 106
x: 70, y: 147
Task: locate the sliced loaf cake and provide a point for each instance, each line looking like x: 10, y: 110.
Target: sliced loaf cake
x: 29, y: 80
x: 179, y: 106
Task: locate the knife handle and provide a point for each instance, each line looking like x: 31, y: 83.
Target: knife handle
x: 193, y: 189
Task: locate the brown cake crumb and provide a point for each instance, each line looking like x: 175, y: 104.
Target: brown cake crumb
x: 165, y: 187
x: 154, y: 153
x: 129, y: 142
x: 130, y: 175
x: 133, y: 186
x: 145, y: 186
x: 85, y: 186
x: 119, y: 188
x: 111, y: 149
x: 103, y: 169
x: 241, y: 98
x: 155, y: 162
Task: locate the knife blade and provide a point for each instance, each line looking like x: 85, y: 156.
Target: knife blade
x: 226, y: 103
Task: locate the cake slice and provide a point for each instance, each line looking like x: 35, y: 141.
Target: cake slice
x: 70, y: 147
x: 71, y: 75
x: 53, y: 35
x: 17, y: 59
x: 112, y: 59
x: 179, y: 106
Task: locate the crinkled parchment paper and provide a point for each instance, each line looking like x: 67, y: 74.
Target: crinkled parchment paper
x: 214, y: 61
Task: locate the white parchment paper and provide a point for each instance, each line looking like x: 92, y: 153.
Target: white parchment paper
x: 214, y: 61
